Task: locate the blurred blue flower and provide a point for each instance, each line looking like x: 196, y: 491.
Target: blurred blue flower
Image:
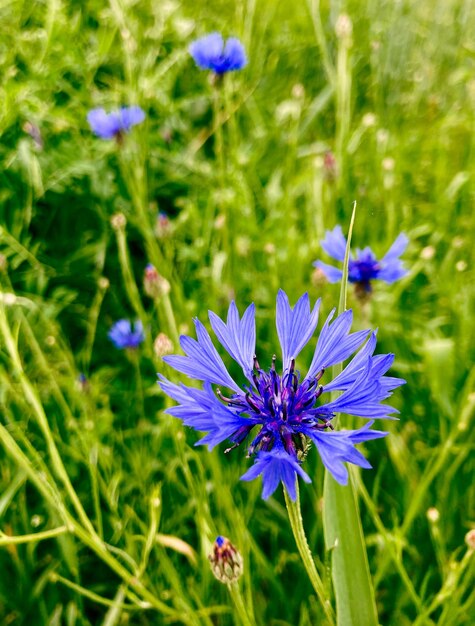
x: 287, y: 410
x: 123, y: 336
x: 211, y: 53
x: 364, y: 266
x: 114, y: 124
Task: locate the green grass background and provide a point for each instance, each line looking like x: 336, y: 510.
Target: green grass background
x: 240, y: 171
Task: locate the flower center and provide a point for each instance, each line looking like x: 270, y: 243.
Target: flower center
x: 283, y: 405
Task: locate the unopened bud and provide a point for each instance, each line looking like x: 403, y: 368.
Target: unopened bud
x: 427, y: 253
x: 470, y: 539
x: 298, y: 91
x: 433, y: 515
x: 369, y: 120
x: 388, y: 164
x: 103, y: 283
x: 9, y: 299
x: 318, y: 277
x: 226, y: 562
x: 155, y: 285
x: 243, y: 246
x: 344, y: 26
x: 35, y: 134
x: 3, y: 263
x: 118, y: 221
x: 220, y: 221
x: 329, y: 165
x: 162, y: 225
x: 162, y: 345
x: 36, y: 521
x: 82, y: 382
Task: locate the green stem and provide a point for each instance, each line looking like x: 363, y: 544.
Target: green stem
x: 128, y: 276
x: 56, y: 578
x: 92, y: 541
x: 235, y: 593
x: 6, y: 540
x: 296, y: 523
x: 167, y: 309
x: 33, y: 400
x: 314, y: 9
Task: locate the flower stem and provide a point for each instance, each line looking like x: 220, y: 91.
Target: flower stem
x: 236, y: 596
x: 296, y: 523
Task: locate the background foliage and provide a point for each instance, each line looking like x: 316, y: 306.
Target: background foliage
x: 250, y: 174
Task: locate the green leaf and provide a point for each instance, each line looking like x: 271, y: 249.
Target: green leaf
x: 355, y: 603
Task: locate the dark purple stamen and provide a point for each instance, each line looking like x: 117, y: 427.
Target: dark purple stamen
x: 281, y: 406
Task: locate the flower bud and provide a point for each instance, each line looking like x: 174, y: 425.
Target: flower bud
x: 3, y: 263
x: 103, y: 283
x: 470, y: 539
x: 162, y: 225
x: 344, y: 27
x: 118, y: 221
x: 226, y: 562
x: 162, y: 345
x: 154, y: 284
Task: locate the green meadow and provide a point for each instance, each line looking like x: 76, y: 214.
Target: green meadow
x: 108, y: 511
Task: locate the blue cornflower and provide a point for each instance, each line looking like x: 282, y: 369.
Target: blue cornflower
x: 364, y: 266
x: 211, y: 53
x: 288, y: 411
x: 123, y: 336
x: 115, y: 124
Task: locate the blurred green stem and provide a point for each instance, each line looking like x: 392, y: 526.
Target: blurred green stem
x: 33, y: 400
x: 343, y: 102
x: 130, y: 285
x: 296, y: 523
x: 314, y: 9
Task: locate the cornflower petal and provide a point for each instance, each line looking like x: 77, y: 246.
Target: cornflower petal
x: 130, y: 116
x: 201, y: 410
x: 235, y: 53
x: 103, y: 125
x: 333, y: 274
x: 202, y: 360
x: 334, y: 243
x: 205, y: 49
x: 363, y: 398
x: 276, y: 466
x: 397, y: 248
x: 392, y: 272
x: 348, y: 376
x: 334, y: 343
x: 238, y: 336
x: 338, y: 447
x: 294, y: 326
